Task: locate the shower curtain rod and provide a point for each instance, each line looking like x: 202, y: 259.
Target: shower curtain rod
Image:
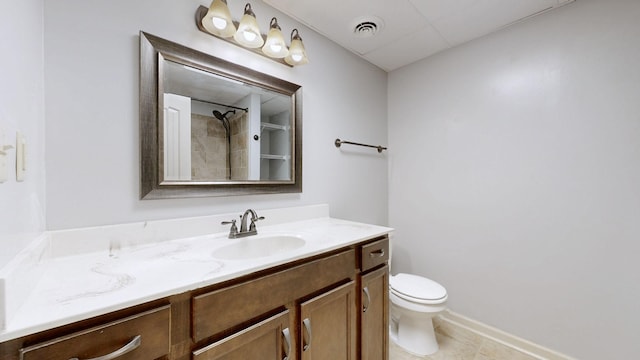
x: 339, y: 142
x: 220, y: 104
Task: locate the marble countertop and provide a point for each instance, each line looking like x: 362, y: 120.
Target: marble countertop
x: 80, y: 286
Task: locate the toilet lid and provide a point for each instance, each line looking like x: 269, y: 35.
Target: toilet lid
x: 417, y: 287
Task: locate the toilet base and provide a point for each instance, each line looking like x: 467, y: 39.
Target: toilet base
x: 416, y: 336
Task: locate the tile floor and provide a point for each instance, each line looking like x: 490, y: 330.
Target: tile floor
x: 457, y: 343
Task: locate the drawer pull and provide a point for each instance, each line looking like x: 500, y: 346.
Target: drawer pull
x: 307, y: 327
x: 377, y: 253
x: 287, y: 340
x: 366, y: 292
x: 132, y: 345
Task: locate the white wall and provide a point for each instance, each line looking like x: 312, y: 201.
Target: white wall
x: 91, y: 64
x: 21, y: 109
x: 515, y: 177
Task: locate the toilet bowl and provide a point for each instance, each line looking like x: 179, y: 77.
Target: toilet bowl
x: 415, y: 300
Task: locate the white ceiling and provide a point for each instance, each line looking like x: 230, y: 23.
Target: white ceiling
x: 409, y: 30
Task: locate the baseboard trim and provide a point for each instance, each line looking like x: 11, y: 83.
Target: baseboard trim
x: 506, y: 339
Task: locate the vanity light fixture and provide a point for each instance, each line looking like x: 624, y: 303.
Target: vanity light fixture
x: 216, y: 20
x: 297, y: 54
x: 275, y: 45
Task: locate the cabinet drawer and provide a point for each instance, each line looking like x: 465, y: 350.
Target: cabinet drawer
x: 225, y: 308
x: 140, y: 337
x: 374, y: 254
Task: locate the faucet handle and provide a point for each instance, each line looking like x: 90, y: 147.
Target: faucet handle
x: 252, y: 226
x: 234, y: 229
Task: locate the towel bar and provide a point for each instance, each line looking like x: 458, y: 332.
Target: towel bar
x: 339, y: 142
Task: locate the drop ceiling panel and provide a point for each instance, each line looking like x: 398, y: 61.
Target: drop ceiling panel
x: 336, y: 19
x: 463, y: 20
x: 411, y: 29
x: 407, y: 49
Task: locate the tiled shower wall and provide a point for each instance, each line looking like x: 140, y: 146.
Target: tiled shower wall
x: 239, y: 146
x: 209, y: 159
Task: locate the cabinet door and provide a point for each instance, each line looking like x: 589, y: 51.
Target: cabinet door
x: 267, y: 340
x: 374, y: 316
x: 328, y: 325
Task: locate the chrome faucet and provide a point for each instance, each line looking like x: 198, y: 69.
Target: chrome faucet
x: 252, y: 227
x: 235, y: 233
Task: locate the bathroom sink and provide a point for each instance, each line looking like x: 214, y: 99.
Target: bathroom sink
x: 258, y: 246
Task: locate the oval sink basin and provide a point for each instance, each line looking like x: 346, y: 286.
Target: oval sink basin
x: 258, y: 246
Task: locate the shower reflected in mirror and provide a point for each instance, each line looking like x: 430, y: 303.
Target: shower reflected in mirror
x: 227, y: 128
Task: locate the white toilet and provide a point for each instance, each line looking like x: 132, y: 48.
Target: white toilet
x: 415, y: 300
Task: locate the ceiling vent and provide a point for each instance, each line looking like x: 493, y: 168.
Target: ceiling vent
x: 368, y: 26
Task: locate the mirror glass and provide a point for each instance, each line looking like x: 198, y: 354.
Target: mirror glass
x: 217, y: 129
x: 213, y: 128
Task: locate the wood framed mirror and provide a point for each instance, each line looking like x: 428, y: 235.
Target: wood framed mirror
x: 209, y: 127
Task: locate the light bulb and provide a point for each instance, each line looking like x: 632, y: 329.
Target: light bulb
x: 219, y: 23
x: 276, y: 47
x: 249, y: 36
x: 296, y: 57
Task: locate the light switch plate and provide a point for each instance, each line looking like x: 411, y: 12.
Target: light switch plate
x: 4, y: 173
x: 21, y: 153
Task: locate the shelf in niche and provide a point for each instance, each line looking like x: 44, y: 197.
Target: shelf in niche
x: 273, y: 127
x: 275, y: 157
